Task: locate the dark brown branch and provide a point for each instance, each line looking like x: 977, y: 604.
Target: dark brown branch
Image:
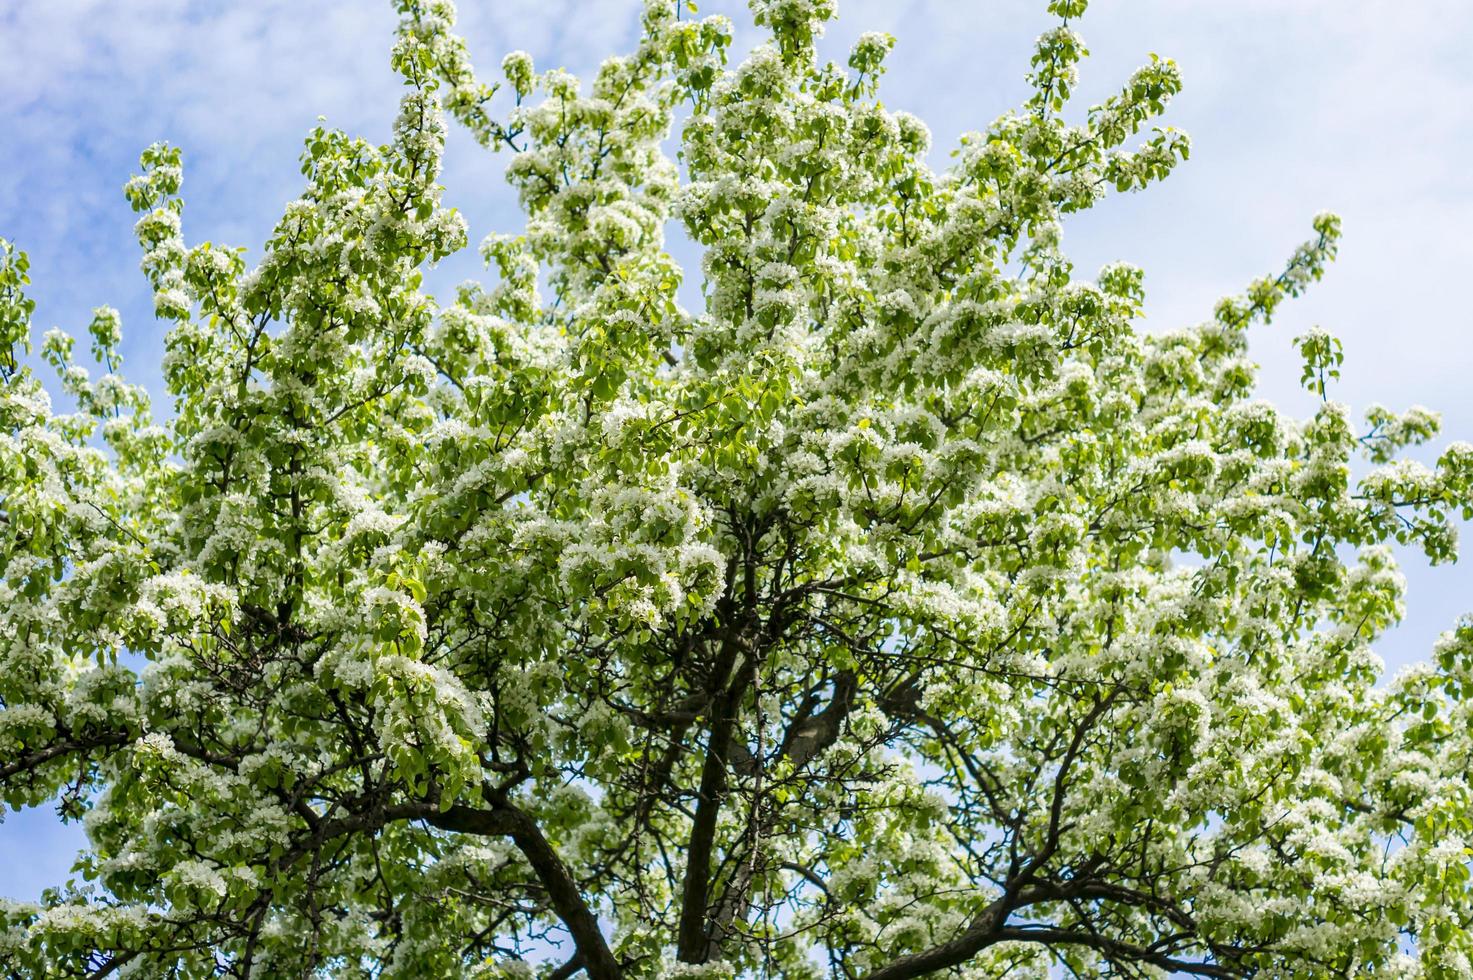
x: 40, y: 757
x: 691, y: 938
x: 568, y: 969
x: 989, y: 929
x: 562, y: 889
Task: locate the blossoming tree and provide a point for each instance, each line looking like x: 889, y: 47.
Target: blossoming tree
x: 902, y: 611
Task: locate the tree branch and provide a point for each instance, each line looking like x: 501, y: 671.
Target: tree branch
x: 562, y: 889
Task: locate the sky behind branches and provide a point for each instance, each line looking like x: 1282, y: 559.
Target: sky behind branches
x: 1364, y: 107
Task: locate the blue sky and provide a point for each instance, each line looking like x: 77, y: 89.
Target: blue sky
x: 1360, y: 106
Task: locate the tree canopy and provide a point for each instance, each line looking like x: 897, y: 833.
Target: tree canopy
x: 903, y: 610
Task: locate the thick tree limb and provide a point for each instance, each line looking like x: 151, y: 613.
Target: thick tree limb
x: 692, y: 940
x: 562, y: 890
x: 990, y: 928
